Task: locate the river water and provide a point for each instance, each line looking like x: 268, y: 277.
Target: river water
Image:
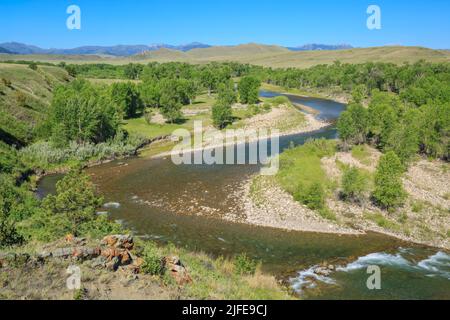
x: 160, y: 200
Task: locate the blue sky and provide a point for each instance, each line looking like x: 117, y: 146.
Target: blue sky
x: 283, y: 22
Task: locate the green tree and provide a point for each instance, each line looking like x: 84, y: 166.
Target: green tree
x: 208, y: 79
x: 127, y: 98
x: 434, y: 132
x: 75, y: 200
x: 150, y: 93
x: 222, y: 113
x: 383, y: 116
x: 132, y: 71
x: 249, y: 90
x: 352, y: 124
x: 389, y: 192
x: 404, y: 138
x: 82, y: 113
x: 171, y: 100
x: 359, y: 93
x: 226, y: 93
x: 354, y: 184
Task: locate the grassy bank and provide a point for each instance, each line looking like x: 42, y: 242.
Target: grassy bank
x: 317, y: 176
x: 212, y: 278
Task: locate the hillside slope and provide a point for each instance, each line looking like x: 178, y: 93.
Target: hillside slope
x: 25, y: 95
x: 271, y: 56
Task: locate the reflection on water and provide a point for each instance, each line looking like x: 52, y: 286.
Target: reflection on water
x: 160, y: 200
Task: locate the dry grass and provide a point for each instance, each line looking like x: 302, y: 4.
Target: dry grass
x: 271, y: 56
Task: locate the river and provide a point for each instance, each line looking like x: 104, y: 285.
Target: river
x: 155, y: 195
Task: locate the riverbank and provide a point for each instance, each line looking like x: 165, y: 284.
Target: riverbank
x: 336, y: 95
x: 424, y: 219
x: 286, y: 119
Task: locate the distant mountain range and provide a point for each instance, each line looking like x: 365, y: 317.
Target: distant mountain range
x: 316, y: 46
x: 130, y: 50
x: 3, y: 50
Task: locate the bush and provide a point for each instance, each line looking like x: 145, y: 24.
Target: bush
x: 148, y: 116
x: 254, y: 109
x: 8, y: 232
x: 75, y: 199
x: 276, y: 101
x: 44, y: 154
x: 33, y: 66
x: 313, y: 196
x: 6, y: 82
x: 243, y: 265
x: 153, y: 263
x: 354, y: 184
x: 21, y: 99
x: 389, y: 192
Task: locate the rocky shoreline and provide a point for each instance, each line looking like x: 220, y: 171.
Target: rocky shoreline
x: 265, y: 203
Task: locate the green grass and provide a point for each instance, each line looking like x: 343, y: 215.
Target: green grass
x: 382, y: 221
x: 17, y: 121
x: 362, y: 154
x: 300, y: 167
x: 222, y: 278
x: 151, y: 131
x: 110, y: 81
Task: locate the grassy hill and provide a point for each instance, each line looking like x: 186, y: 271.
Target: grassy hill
x: 25, y: 95
x: 271, y: 56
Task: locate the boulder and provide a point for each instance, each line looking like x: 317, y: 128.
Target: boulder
x: 177, y: 270
x: 119, y: 241
x: 70, y: 238
x: 80, y: 253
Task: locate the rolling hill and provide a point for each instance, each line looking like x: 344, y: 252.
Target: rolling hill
x: 25, y: 96
x: 258, y: 54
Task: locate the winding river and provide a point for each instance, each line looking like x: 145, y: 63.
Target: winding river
x: 155, y: 195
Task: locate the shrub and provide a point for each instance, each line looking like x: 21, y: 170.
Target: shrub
x: 313, y: 196
x: 33, y: 66
x: 152, y: 260
x: 75, y: 199
x: 6, y: 82
x: 8, y: 232
x: 254, y: 109
x: 354, y: 184
x: 266, y: 107
x: 326, y: 213
x: 244, y: 265
x: 148, y: 116
x: 21, y: 99
x: 276, y: 101
x: 389, y: 192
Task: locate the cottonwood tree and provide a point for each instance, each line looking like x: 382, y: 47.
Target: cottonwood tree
x: 249, y: 90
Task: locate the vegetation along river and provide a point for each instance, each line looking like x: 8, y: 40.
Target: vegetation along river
x: 153, y: 194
